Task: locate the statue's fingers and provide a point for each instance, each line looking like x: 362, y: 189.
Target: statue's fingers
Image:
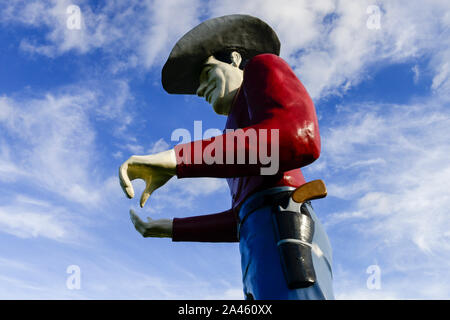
x: 201, y: 89
x: 149, y: 188
x: 146, y: 194
x: 144, y: 198
x: 208, y: 92
x: 134, y: 217
x: 139, y: 225
x: 125, y: 182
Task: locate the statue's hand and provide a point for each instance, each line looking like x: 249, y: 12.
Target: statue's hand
x: 161, y: 228
x: 155, y: 170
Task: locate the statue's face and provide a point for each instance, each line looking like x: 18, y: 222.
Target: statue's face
x: 219, y: 82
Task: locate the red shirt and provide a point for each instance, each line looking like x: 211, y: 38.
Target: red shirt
x: 270, y: 97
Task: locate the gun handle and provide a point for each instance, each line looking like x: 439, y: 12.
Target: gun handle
x: 315, y: 189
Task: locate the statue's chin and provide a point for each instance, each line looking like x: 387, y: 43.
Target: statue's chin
x: 220, y: 109
x: 222, y: 105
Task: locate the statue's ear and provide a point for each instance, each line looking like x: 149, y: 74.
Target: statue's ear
x: 236, y: 59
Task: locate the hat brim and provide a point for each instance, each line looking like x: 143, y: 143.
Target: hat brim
x: 181, y: 71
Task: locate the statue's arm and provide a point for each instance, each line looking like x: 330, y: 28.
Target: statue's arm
x: 218, y: 227
x: 276, y: 99
x: 156, y: 170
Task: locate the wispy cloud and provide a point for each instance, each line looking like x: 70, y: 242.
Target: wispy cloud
x: 397, y: 206
x: 395, y: 193
x: 28, y: 224
x: 30, y: 218
x: 50, y: 162
x: 386, y: 166
x: 330, y: 46
x: 185, y: 193
x: 144, y: 42
x: 54, y: 142
x: 108, y: 279
x: 158, y: 146
x: 327, y: 42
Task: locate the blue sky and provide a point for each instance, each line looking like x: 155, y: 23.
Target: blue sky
x: 76, y: 103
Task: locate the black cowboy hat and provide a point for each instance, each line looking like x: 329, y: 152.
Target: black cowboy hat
x: 248, y: 35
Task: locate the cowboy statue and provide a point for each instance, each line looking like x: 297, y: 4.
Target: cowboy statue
x: 232, y: 61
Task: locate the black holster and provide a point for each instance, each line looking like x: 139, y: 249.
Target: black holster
x: 294, y: 233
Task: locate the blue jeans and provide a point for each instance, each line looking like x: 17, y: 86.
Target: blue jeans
x: 262, y: 272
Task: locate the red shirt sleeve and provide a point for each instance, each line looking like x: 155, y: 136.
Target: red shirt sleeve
x: 276, y: 99
x: 219, y: 227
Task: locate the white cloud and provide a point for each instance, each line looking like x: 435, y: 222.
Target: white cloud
x: 158, y: 146
x: 397, y: 191
x: 330, y: 46
x: 108, y: 278
x: 53, y: 140
x: 428, y: 283
x: 53, y: 143
x: 168, y: 21
x: 416, y: 72
x: 389, y: 164
x: 327, y: 42
x: 50, y: 150
x: 183, y: 193
x: 229, y: 294
x: 202, y: 186
x: 117, y: 155
x: 25, y: 224
x: 95, y: 31
x: 396, y: 208
x: 135, y: 148
x: 140, y: 149
x: 132, y: 33
x: 27, y: 217
x: 9, y: 171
